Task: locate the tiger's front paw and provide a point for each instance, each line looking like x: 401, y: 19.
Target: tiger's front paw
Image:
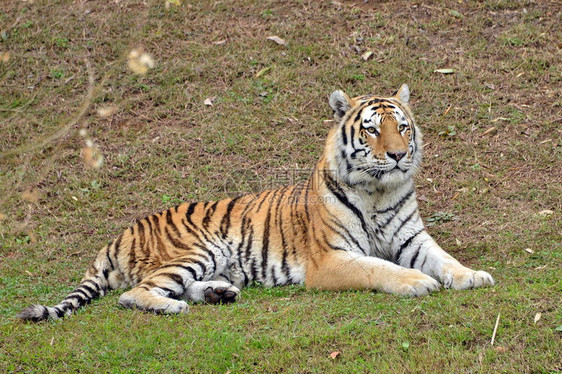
x: 413, y: 282
x: 465, y: 278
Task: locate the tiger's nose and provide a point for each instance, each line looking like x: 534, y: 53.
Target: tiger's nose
x: 396, y: 156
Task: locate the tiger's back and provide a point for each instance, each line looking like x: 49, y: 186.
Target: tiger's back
x: 244, y: 239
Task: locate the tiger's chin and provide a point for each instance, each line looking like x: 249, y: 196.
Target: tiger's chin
x: 393, y: 179
x: 382, y: 179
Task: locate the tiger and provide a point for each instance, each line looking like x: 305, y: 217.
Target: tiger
x: 354, y: 224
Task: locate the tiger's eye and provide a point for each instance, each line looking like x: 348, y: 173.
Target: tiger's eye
x: 402, y: 127
x: 371, y: 130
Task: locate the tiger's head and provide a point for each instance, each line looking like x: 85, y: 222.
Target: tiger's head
x: 375, y: 142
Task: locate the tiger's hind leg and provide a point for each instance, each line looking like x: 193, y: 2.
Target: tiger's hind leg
x: 152, y: 300
x: 181, y: 278
x: 162, y: 291
x: 158, y: 293
x: 162, y: 299
x: 212, y: 292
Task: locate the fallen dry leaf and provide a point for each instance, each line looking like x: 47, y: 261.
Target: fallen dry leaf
x: 277, y: 40
x: 30, y: 195
x: 489, y: 131
x: 367, y: 55
x: 263, y: 72
x: 444, y: 71
x: 172, y: 2
x: 546, y: 212
x: 423, y: 198
x: 220, y: 42
x: 537, y: 317
x: 334, y: 354
x: 4, y: 56
x: 209, y: 101
x: 529, y: 250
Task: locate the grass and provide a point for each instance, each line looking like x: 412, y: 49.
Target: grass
x: 484, y: 193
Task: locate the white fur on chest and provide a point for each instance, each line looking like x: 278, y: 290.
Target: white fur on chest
x: 389, y: 216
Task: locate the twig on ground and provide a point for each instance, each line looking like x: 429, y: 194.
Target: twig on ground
x: 495, y: 329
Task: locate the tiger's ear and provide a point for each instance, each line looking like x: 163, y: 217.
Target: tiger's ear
x: 403, y: 94
x: 340, y: 104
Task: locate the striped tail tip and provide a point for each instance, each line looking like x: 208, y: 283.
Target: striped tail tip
x: 82, y: 295
x: 38, y: 313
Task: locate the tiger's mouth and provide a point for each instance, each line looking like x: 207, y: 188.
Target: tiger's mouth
x: 377, y: 172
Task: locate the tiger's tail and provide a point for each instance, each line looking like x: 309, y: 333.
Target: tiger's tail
x: 94, y: 284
